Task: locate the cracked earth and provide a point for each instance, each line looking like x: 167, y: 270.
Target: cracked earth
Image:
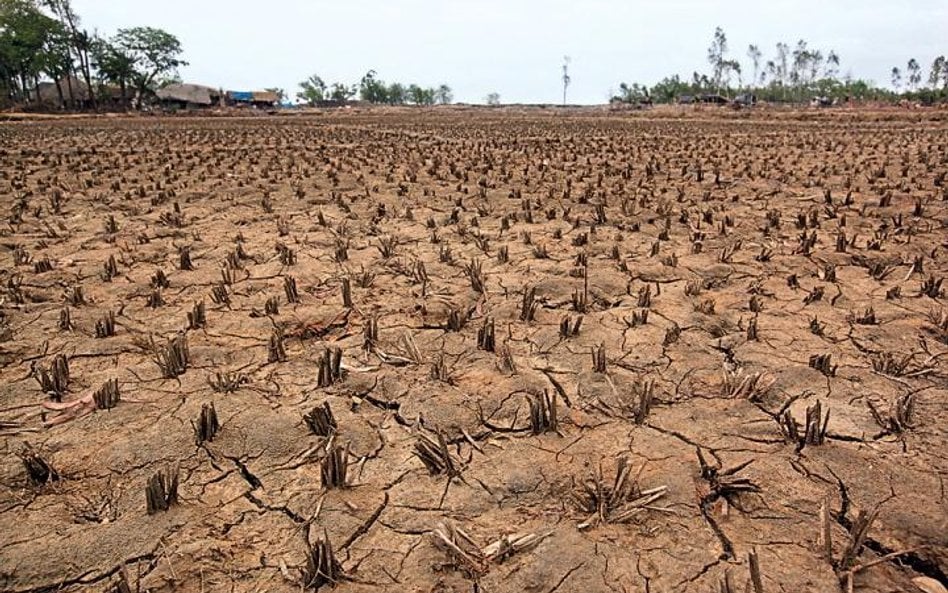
x: 645, y: 354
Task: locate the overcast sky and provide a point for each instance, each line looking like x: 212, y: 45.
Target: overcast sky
x: 516, y: 48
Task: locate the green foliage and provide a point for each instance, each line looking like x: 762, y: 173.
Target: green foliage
x: 312, y: 90
x: 114, y: 65
x: 341, y: 93
x: 938, y: 75
x: 154, y: 53
x: 492, y: 99
x: 420, y: 96
x: 396, y: 94
x: 31, y: 44
x: 636, y: 93
x: 371, y: 89
x: 790, y: 75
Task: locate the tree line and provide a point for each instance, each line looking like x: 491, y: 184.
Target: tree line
x: 791, y: 74
x: 372, y: 89
x: 46, y: 39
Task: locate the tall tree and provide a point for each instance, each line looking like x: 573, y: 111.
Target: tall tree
x: 816, y: 62
x: 896, y: 78
x: 115, y: 65
x: 566, y: 78
x: 783, y: 61
x: 938, y: 76
x: 154, y: 52
x: 832, y: 65
x: 914, y: 74
x: 372, y: 89
x: 716, y: 53
x: 81, y: 42
x: 754, y: 53
x: 29, y: 46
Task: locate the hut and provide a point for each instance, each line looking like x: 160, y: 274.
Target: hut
x: 188, y: 96
x: 68, y: 91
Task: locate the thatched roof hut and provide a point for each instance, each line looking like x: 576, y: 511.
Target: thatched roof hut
x: 189, y: 94
x: 74, y: 91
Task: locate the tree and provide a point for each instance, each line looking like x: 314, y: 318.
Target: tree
x: 914, y: 74
x: 727, y: 67
x: 566, y: 78
x: 443, y: 95
x: 372, y: 89
x: 27, y: 38
x: 939, y: 73
x: 492, y: 99
x: 114, y: 64
x: 896, y: 78
x: 154, y: 53
x: 312, y: 90
x: 79, y: 40
x: 396, y: 94
x: 800, y: 58
x: 341, y: 93
x: 783, y: 52
x: 832, y: 64
x: 816, y: 62
x: 421, y: 96
x: 716, y: 54
x: 636, y: 93
x: 754, y: 53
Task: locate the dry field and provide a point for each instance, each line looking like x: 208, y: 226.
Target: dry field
x: 474, y: 352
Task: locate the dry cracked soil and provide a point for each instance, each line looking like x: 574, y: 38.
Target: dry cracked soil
x: 476, y: 350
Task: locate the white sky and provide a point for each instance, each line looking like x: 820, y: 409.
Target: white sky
x: 516, y: 47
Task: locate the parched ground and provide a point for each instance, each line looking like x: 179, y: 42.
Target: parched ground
x: 581, y: 352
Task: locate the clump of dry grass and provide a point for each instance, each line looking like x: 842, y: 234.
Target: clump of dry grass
x: 107, y: 396
x: 172, y: 358
x: 617, y: 502
x: 54, y: 381
x: 330, y: 367
x: 334, y: 468
x: 322, y: 566
x: 814, y: 427
x: 751, y: 386
x: 321, y: 420
x: 899, y: 416
x: 207, y: 425
x: 161, y: 493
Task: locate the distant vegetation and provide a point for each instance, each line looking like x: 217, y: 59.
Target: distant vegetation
x: 372, y: 89
x: 45, y: 40
x: 790, y: 75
